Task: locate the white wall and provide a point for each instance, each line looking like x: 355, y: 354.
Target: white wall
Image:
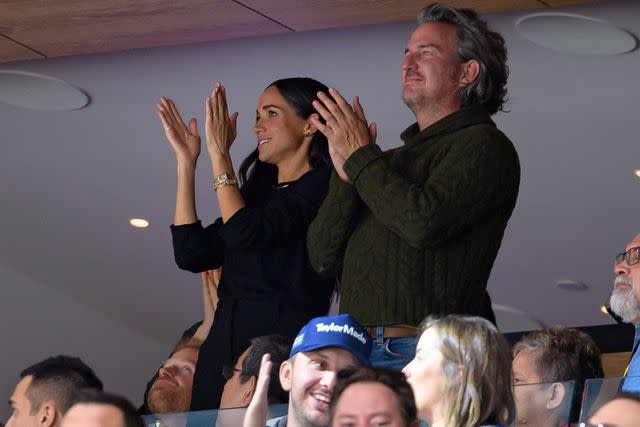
x: 38, y: 322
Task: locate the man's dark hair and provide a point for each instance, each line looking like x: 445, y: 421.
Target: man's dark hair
x: 393, y: 379
x: 129, y: 413
x: 475, y: 41
x: 563, y: 354
x: 57, y: 378
x: 278, y: 347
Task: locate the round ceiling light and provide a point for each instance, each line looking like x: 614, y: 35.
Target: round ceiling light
x: 139, y: 222
x: 39, y: 92
x: 570, y: 33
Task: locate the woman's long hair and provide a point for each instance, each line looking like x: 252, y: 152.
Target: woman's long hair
x: 476, y: 361
x: 257, y: 177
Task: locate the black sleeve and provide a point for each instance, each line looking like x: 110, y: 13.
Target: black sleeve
x: 281, y: 221
x: 197, y: 249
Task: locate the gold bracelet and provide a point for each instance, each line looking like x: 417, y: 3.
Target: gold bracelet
x: 222, y: 180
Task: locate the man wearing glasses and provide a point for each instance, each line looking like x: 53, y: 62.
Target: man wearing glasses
x: 625, y: 302
x: 241, y: 378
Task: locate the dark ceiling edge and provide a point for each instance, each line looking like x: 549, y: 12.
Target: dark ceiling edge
x: 265, y: 16
x: 24, y: 45
x: 608, y: 338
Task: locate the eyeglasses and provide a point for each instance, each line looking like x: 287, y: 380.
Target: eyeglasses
x: 632, y: 256
x: 229, y: 371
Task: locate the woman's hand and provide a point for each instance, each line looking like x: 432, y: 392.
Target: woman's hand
x: 256, y: 414
x: 220, y: 127
x: 184, y: 140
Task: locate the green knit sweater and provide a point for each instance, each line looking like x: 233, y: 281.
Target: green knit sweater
x: 418, y: 231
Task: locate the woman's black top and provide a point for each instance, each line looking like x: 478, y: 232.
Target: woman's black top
x: 267, y: 285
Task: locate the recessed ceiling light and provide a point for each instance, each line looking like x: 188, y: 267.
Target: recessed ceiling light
x: 571, y: 33
x: 604, y: 310
x: 637, y: 172
x: 139, y: 222
x: 40, y: 92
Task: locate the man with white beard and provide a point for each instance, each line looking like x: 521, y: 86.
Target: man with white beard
x: 625, y: 302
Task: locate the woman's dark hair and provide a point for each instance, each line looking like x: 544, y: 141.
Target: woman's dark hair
x: 255, y: 176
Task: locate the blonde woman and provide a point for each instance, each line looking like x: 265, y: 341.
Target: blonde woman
x: 461, y: 374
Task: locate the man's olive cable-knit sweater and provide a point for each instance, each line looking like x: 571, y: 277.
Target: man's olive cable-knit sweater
x: 418, y: 231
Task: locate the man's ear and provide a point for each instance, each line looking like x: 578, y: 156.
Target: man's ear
x: 470, y: 72
x: 286, y: 371
x: 247, y: 395
x: 555, y: 395
x: 47, y: 414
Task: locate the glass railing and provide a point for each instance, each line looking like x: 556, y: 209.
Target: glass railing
x: 540, y: 405
x: 213, y: 418
x: 599, y: 391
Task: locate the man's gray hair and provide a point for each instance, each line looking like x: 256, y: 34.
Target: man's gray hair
x: 475, y: 41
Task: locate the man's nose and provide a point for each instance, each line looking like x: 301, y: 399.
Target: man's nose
x: 621, y: 268
x: 328, y: 379
x: 409, y: 62
x: 166, y: 371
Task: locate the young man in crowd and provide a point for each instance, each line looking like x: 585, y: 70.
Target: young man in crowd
x: 373, y: 397
x: 93, y: 408
x: 242, y: 378
x: 322, y: 348
x: 551, y: 356
x: 625, y: 302
x: 414, y: 231
x: 45, y: 390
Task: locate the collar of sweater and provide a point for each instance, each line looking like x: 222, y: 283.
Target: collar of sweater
x: 464, y: 117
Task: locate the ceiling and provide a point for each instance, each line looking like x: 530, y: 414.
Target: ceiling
x: 75, y: 27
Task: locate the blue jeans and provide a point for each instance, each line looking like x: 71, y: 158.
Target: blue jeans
x: 394, y: 353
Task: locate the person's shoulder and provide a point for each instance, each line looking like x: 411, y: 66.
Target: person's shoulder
x: 277, y: 422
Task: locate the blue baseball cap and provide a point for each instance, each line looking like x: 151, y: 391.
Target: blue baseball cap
x: 342, y: 331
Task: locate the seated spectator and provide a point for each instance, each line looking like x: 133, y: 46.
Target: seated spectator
x: 242, y: 378
x: 323, y: 347
x: 171, y: 391
x: 461, y: 375
x: 43, y: 394
x: 625, y: 302
x: 550, y: 356
x: 372, y: 397
x: 623, y: 411
x: 94, y: 408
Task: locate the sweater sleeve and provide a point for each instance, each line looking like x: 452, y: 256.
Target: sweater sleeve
x: 476, y: 177
x: 283, y: 220
x: 197, y: 249
x: 330, y: 231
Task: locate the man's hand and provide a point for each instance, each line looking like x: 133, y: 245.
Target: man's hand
x: 256, y: 415
x: 346, y: 128
x: 210, y: 280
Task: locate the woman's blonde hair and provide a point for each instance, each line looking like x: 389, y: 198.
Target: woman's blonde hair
x: 477, y: 367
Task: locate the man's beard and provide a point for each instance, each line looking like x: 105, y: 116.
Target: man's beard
x: 163, y: 400
x: 301, y: 417
x: 624, y: 302
x: 415, y: 101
